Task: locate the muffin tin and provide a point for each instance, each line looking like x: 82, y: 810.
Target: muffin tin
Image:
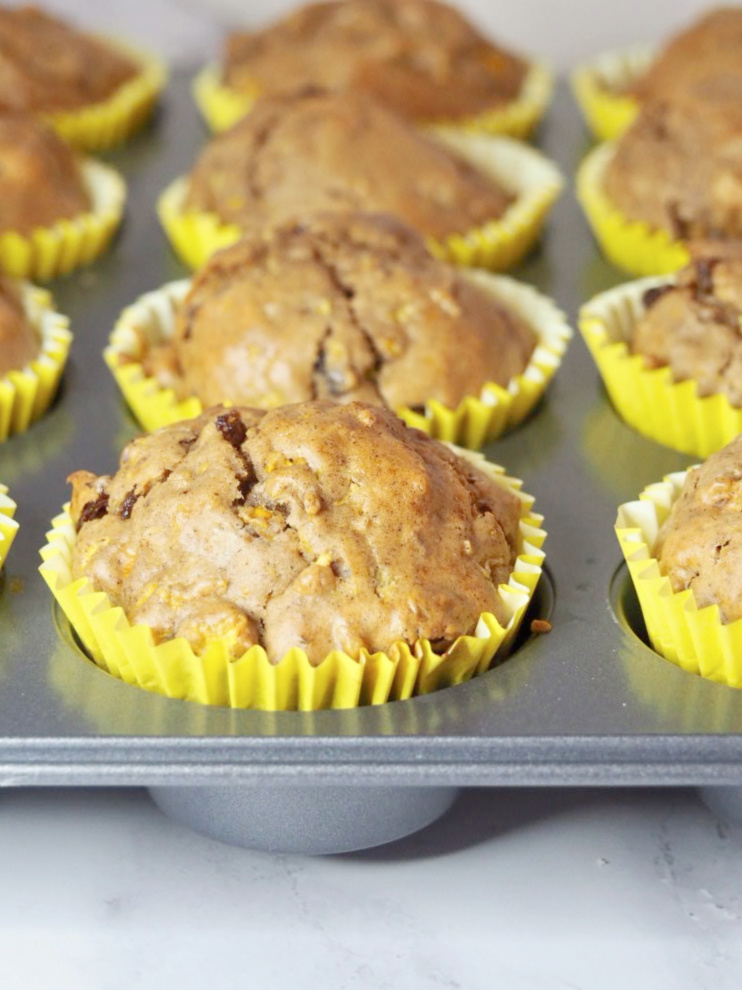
x: 587, y: 703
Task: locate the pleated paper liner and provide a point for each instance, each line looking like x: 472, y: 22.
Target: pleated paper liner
x: 171, y: 668
x: 691, y: 637
x: 649, y: 400
x: 111, y: 121
x: 631, y: 245
x: 221, y: 106
x: 8, y: 525
x: 499, y: 244
x: 48, y: 252
x: 599, y: 87
x: 475, y: 421
x: 26, y: 394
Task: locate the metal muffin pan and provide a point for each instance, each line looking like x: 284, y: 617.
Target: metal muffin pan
x: 588, y: 703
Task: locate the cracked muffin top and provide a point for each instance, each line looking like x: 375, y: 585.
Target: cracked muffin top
x: 345, y: 306
x: 19, y: 343
x: 317, y: 525
x: 700, y: 543
x: 679, y: 166
x: 693, y: 324
x: 45, y: 65
x: 40, y: 179
x: 418, y: 57
x: 312, y: 152
x: 706, y: 50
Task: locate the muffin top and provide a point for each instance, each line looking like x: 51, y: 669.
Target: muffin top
x: 700, y: 544
x: 679, y: 166
x: 344, y: 306
x: 317, y: 525
x: 419, y: 57
x: 312, y: 152
x: 47, y: 66
x: 708, y: 49
x: 693, y: 325
x: 40, y: 179
x: 19, y: 342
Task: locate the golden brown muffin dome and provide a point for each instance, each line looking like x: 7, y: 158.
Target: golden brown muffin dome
x: 317, y: 525
x: 342, y: 306
x: 700, y: 544
x: 693, y: 325
x: 40, y: 179
x: 45, y: 65
x: 312, y: 152
x: 19, y: 343
x: 421, y: 58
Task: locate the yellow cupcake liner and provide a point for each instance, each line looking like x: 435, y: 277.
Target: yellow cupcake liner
x: 533, y: 179
x: 113, y: 120
x: 26, y: 394
x: 8, y: 525
x: 340, y: 681
x: 649, y: 400
x: 222, y: 106
x: 693, y: 638
x: 599, y: 85
x: 48, y: 252
x: 475, y: 421
x: 632, y: 245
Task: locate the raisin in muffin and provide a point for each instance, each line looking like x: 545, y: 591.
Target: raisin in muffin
x: 418, y: 57
x: 47, y: 66
x: 19, y: 342
x: 679, y: 167
x: 700, y: 543
x: 312, y: 151
x: 342, y: 306
x: 40, y: 178
x: 693, y: 325
x: 317, y: 525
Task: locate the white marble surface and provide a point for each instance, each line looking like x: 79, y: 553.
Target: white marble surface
x: 520, y: 890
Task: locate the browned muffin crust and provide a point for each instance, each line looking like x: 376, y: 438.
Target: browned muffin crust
x: 40, y: 179
x: 345, y: 306
x: 700, y: 544
x: 418, y: 57
x: 316, y: 525
x: 693, y: 326
x: 679, y: 166
x: 45, y: 65
x: 19, y: 342
x: 312, y: 152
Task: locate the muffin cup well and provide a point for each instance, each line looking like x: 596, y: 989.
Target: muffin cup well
x: 8, y: 525
x: 111, y: 121
x: 48, y: 252
x: 597, y: 87
x: 475, y: 421
x: 533, y: 179
x: 693, y: 638
x: 251, y: 681
x: 26, y: 394
x: 632, y: 245
x: 649, y: 400
x: 222, y: 106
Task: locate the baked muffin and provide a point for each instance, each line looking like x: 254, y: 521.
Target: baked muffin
x: 19, y: 342
x: 47, y: 66
x: 317, y: 525
x: 700, y: 543
x: 418, y: 57
x: 692, y: 325
x: 679, y: 167
x: 40, y: 179
x: 343, y: 306
x: 313, y: 151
